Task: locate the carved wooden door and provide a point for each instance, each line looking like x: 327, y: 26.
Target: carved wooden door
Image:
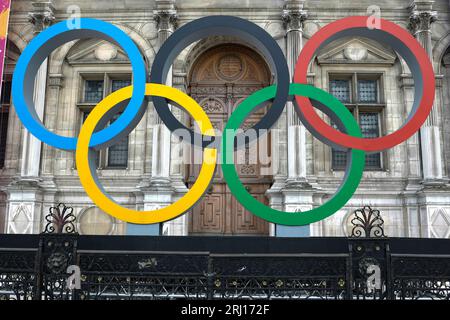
x: 220, y: 79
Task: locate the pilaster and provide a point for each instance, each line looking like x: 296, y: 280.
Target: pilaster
x: 158, y: 192
x: 25, y: 194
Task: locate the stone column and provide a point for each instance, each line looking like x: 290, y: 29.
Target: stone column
x: 422, y: 16
x: 293, y: 17
x: 25, y: 194
x: 433, y: 198
x: 159, y: 191
x: 41, y: 17
x: 180, y: 152
x: 298, y: 192
x: 166, y: 18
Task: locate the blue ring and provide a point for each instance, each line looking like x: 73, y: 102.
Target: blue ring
x: 41, y: 47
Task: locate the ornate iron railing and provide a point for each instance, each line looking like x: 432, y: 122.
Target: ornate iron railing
x: 59, y: 264
x: 113, y: 267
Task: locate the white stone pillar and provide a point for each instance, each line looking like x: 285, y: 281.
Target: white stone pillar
x: 293, y: 17
x: 31, y: 147
x: 297, y: 194
x: 158, y: 192
x: 422, y: 17
x: 25, y: 194
x: 165, y: 16
x: 432, y: 200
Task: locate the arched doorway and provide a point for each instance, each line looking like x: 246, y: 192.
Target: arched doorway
x: 219, y: 80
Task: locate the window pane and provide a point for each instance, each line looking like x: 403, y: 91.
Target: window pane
x: 119, y: 84
x: 97, y: 153
x: 340, y: 89
x: 370, y: 128
x: 369, y: 123
x: 367, y: 91
x: 339, y: 158
x: 93, y: 91
x: 118, y: 153
x: 6, y: 92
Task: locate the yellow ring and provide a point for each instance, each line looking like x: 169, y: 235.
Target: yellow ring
x: 94, y: 190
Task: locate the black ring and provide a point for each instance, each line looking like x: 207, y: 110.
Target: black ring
x: 214, y: 26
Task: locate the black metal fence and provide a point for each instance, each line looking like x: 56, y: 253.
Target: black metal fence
x: 115, y: 267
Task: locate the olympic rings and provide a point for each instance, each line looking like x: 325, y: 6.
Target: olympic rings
x: 350, y: 139
x: 402, y: 42
x: 41, y: 47
x: 86, y: 164
x: 216, y: 26
x: 354, y: 169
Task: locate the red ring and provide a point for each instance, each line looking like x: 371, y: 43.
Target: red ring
x: 366, y: 144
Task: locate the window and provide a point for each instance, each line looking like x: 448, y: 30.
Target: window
x: 4, y: 114
x: 118, y: 153
x: 97, y: 153
x: 95, y: 88
x: 340, y: 89
x: 361, y: 94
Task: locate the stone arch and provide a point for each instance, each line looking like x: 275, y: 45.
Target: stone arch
x: 21, y: 36
x: 191, y: 54
x: 439, y: 50
x: 195, y: 67
x: 58, y: 57
x: 18, y: 41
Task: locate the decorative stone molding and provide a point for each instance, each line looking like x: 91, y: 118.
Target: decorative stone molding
x: 105, y: 52
x: 55, y: 80
x: 294, y: 15
x: 42, y: 15
x: 357, y: 51
x: 165, y: 15
x: 422, y: 16
x: 179, y: 80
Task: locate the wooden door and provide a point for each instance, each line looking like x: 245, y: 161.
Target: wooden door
x: 220, y: 79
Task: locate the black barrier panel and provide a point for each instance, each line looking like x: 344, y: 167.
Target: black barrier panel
x: 124, y: 267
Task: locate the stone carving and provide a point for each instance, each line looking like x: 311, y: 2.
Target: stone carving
x: 420, y: 21
x: 213, y: 106
x: 355, y: 52
x: 105, y: 52
x: 294, y: 16
x: 440, y: 223
x: 230, y: 66
x: 42, y: 15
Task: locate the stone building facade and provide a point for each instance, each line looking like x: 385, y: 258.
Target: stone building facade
x: 408, y: 184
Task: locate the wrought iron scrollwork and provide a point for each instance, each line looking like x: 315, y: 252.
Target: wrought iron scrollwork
x: 367, y: 222
x: 60, y: 220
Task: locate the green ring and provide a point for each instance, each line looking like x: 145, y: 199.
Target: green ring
x: 353, y: 173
